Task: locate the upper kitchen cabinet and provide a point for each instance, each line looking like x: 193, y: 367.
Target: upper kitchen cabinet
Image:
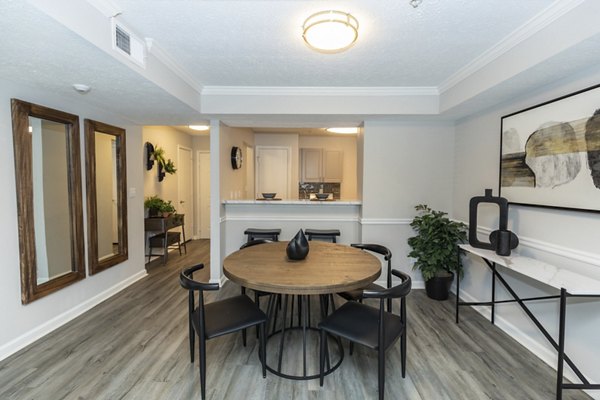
x: 333, y: 168
x: 321, y: 165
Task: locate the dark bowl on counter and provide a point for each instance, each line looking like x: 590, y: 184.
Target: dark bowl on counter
x: 268, y: 195
x: 322, y: 196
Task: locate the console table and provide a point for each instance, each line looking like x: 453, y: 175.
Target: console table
x: 162, y: 225
x: 569, y: 283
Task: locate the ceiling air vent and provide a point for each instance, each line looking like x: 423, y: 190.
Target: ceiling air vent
x: 127, y: 44
x: 122, y: 40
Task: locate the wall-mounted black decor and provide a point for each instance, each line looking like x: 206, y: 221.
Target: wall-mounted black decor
x: 161, y: 172
x: 502, y: 240
x: 149, y: 160
x: 550, y: 153
x: 297, y: 248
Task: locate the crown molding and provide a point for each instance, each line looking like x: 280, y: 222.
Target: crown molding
x: 318, y: 91
x: 106, y: 7
x: 524, y: 32
x: 153, y: 48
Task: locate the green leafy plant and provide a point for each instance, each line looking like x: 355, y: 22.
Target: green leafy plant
x: 167, y: 164
x: 167, y: 207
x: 435, y: 247
x: 158, y: 205
x: 153, y: 203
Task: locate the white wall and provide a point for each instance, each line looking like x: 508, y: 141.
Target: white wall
x: 25, y: 323
x: 347, y: 144
x: 565, y: 238
x: 233, y: 181
x: 404, y: 164
x: 168, y: 139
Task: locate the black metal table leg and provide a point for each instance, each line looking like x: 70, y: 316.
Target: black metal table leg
x: 457, y: 290
x: 493, y: 292
x: 561, y: 343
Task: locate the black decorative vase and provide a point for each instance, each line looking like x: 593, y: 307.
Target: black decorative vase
x: 297, y: 248
x: 438, y: 287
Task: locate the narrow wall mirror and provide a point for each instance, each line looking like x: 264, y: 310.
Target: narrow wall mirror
x: 50, y: 210
x: 106, y: 178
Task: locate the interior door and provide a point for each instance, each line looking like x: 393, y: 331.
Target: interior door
x: 273, y: 171
x: 204, y: 194
x: 185, y: 185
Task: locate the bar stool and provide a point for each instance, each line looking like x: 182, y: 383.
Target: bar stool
x: 324, y: 234
x: 256, y: 233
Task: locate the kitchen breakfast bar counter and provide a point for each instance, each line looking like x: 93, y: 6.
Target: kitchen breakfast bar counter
x: 290, y: 216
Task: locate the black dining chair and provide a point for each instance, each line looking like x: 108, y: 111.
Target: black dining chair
x: 370, y: 326
x: 357, y: 294
x: 257, y: 293
x: 219, y: 318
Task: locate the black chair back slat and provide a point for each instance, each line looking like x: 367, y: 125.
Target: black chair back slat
x: 395, y: 291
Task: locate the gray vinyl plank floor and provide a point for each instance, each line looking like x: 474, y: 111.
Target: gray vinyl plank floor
x: 135, y: 346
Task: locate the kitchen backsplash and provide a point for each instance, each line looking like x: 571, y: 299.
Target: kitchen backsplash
x: 306, y: 188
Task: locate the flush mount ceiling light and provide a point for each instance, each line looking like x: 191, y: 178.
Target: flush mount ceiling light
x: 199, y: 127
x: 345, y: 130
x: 330, y: 31
x: 415, y: 3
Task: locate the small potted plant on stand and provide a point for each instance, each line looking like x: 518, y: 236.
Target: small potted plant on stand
x: 153, y: 204
x: 435, y: 250
x: 167, y: 209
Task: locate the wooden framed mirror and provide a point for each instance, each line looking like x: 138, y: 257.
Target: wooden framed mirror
x: 50, y: 210
x: 106, y: 179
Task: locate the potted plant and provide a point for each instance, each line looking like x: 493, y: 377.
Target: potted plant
x: 167, y: 209
x: 435, y: 249
x: 153, y: 204
x: 164, y: 165
x: 157, y: 207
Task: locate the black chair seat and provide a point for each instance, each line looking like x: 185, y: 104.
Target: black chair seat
x: 356, y: 295
x: 359, y: 323
x: 229, y: 315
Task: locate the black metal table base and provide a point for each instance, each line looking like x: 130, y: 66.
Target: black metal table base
x: 304, y: 321
x: 558, y: 346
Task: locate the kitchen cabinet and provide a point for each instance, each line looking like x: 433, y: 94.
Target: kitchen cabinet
x: 321, y: 165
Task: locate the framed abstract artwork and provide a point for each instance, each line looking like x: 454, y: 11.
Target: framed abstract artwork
x: 550, y: 153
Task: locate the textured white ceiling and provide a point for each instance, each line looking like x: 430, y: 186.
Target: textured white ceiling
x: 39, y: 52
x: 258, y: 43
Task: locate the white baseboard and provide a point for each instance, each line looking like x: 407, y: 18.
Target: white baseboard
x: 543, y: 353
x: 29, y: 337
x: 415, y: 284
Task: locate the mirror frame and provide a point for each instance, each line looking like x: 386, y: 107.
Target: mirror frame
x: 21, y: 111
x: 91, y: 127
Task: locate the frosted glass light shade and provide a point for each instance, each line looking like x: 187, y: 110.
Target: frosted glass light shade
x: 330, y: 31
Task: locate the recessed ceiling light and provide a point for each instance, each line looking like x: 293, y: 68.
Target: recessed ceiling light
x: 330, y: 31
x: 199, y: 127
x: 346, y: 130
x: 81, y: 88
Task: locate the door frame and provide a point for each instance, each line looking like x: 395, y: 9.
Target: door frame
x: 197, y: 233
x: 190, y: 218
x: 288, y: 149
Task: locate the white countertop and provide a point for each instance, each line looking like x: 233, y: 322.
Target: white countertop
x: 296, y: 202
x: 551, y: 275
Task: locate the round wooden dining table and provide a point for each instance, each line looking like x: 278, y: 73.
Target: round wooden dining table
x: 327, y: 269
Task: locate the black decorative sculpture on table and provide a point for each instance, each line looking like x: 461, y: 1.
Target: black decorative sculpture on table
x: 297, y: 248
x: 502, y: 241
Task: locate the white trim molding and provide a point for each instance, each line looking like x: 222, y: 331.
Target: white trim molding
x: 39, y: 331
x: 385, y: 221
x: 519, y: 35
x: 290, y: 219
x: 551, y: 248
x: 318, y: 91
